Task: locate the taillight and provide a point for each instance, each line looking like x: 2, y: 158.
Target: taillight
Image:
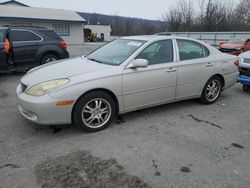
x: 237, y: 63
x: 63, y: 44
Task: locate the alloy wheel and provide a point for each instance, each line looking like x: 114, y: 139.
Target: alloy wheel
x: 213, y: 90
x: 96, y: 113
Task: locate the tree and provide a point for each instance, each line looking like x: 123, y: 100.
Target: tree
x: 180, y: 17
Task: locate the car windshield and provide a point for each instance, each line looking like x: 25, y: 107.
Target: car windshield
x: 236, y: 41
x: 115, y: 52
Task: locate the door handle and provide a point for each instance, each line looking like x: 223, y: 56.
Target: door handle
x: 209, y: 65
x: 171, y: 69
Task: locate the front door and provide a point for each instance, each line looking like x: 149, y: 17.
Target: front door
x: 25, y: 46
x: 3, y: 57
x: 155, y: 84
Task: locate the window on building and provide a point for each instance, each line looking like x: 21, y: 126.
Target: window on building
x: 62, y: 30
x: 24, y: 36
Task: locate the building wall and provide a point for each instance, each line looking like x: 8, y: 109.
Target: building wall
x: 99, y: 29
x: 76, y: 30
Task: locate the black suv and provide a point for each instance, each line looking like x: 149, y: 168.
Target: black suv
x: 29, y: 47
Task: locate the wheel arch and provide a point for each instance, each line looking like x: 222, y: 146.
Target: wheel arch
x: 51, y: 52
x: 220, y: 76
x: 98, y: 89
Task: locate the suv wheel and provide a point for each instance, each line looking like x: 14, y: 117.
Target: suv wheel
x: 48, y: 58
x: 94, y: 111
x: 211, y: 91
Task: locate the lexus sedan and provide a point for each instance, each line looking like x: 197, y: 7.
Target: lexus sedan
x: 125, y: 75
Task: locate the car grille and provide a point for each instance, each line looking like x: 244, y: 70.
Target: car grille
x: 226, y: 50
x: 23, y: 87
x: 246, y: 60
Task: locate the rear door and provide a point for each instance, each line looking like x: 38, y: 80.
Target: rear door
x: 3, y: 33
x: 26, y: 43
x: 194, y: 68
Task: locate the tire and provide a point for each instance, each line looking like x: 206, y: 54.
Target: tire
x: 211, y: 91
x: 48, y: 59
x: 94, y: 111
x: 245, y: 87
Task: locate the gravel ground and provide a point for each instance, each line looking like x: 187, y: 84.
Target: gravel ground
x: 183, y: 144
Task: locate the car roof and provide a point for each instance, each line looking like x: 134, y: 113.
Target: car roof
x: 157, y: 37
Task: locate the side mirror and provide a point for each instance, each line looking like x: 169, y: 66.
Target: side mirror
x: 138, y: 63
x: 84, y: 56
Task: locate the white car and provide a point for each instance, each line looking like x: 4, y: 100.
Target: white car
x: 125, y: 75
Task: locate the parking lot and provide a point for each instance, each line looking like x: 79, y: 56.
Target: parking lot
x: 184, y: 144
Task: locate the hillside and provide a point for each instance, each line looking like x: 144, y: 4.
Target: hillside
x: 125, y: 26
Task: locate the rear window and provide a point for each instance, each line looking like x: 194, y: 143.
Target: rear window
x: 2, y: 35
x: 24, y: 36
x: 50, y: 34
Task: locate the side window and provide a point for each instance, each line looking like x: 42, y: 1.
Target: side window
x: 158, y: 52
x: 2, y: 35
x: 191, y: 50
x: 206, y: 51
x: 22, y: 36
x: 248, y: 42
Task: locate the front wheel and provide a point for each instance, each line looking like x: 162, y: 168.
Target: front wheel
x: 94, y: 111
x: 211, y: 91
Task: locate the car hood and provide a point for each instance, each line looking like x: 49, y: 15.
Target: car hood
x: 62, y: 69
x: 231, y: 46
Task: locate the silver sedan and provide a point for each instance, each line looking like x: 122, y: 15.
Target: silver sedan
x: 125, y: 75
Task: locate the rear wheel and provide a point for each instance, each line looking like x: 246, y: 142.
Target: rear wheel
x: 48, y: 58
x: 211, y: 91
x: 245, y: 88
x: 94, y: 111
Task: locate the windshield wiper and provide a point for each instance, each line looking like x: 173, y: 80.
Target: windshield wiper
x: 95, y: 60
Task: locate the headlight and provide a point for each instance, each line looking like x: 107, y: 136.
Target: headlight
x: 46, y: 87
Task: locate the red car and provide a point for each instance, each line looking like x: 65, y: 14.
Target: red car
x: 235, y: 46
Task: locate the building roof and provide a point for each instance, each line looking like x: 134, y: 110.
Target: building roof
x: 14, y: 2
x: 34, y: 13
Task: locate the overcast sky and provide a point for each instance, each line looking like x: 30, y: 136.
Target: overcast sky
x: 148, y: 9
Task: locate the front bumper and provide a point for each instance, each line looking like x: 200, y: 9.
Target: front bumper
x: 43, y: 110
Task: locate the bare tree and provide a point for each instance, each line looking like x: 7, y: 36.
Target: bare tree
x: 181, y: 16
x: 173, y: 19
x: 242, y: 12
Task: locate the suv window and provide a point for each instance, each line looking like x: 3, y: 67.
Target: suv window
x: 191, y: 50
x: 158, y: 52
x: 2, y: 35
x: 50, y: 34
x: 22, y: 36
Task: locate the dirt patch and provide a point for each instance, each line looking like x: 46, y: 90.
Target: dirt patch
x: 81, y: 169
